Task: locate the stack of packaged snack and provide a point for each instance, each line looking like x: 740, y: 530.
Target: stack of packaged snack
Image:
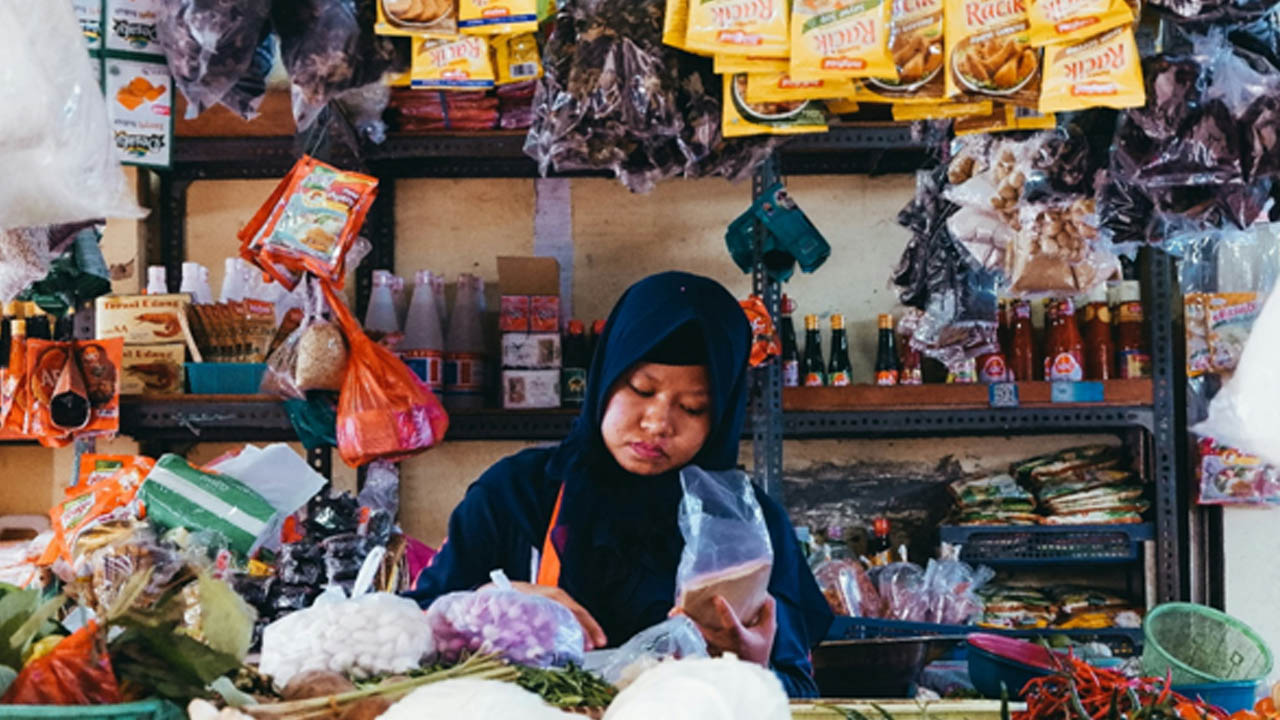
x: 1065, y: 607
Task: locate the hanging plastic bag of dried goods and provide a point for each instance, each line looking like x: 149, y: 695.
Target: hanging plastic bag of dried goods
x: 328, y: 47
x: 312, y: 357
x: 56, y: 148
x: 210, y: 45
x: 727, y: 551
x: 384, y: 412
x: 76, y: 672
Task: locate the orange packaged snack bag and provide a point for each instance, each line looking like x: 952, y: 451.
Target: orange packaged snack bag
x: 1065, y: 21
x: 989, y: 53
x: 1104, y: 71
x: 836, y: 39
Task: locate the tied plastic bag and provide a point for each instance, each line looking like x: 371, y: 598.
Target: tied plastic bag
x: 384, y: 412
x: 673, y: 639
x: 727, y: 551
x: 904, y: 592
x: 848, y: 589
x: 210, y: 45
x: 953, y: 586
x: 76, y: 672
x: 368, y: 634
x: 312, y: 357
x: 524, y: 629
x: 58, y: 152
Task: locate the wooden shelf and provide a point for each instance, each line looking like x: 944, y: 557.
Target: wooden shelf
x: 864, y: 398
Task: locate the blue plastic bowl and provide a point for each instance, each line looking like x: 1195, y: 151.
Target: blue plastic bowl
x: 1230, y: 696
x: 988, y: 670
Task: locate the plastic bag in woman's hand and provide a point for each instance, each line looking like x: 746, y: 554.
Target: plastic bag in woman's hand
x: 59, y: 157
x: 210, y: 45
x: 384, y: 412
x: 672, y: 639
x: 727, y: 551
x: 76, y: 672
x: 523, y: 628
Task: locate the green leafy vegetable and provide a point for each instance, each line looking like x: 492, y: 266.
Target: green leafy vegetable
x: 571, y: 687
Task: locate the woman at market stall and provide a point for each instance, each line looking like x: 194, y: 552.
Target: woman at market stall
x: 591, y: 523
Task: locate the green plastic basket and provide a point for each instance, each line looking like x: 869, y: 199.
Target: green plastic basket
x: 153, y: 709
x: 1202, y: 645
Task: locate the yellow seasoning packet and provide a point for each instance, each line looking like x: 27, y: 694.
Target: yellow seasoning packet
x: 738, y: 27
x: 1063, y: 21
x: 779, y: 87
x: 426, y: 18
x: 458, y: 64
x: 516, y: 58
x: 734, y: 64
x: 838, y: 39
x: 906, y: 112
x: 841, y: 106
x: 675, y: 24
x: 989, y: 53
x: 740, y: 118
x: 497, y: 17
x: 1100, y: 72
x: 916, y: 42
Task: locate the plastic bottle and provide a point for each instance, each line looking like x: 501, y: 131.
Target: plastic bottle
x: 380, y: 316
x: 464, y: 357
x: 422, y: 348
x: 233, y: 281
x: 191, y: 281
x: 1022, y: 350
x: 204, y: 293
x: 1064, y: 356
x: 156, y: 281
x: 401, y: 299
x: 1099, y: 350
x: 790, y: 351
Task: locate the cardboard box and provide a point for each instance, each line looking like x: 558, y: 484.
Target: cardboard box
x: 537, y: 351
x: 142, y: 319
x: 153, y: 369
x: 530, y: 289
x: 530, y: 389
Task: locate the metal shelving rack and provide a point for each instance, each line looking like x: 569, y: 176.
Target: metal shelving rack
x: 860, y: 149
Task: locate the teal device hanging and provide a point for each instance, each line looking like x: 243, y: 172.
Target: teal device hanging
x: 790, y: 238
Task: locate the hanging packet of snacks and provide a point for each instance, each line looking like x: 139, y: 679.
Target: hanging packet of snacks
x: 989, y: 53
x: 916, y: 41
x: 833, y: 39
x: 516, y: 58
x: 841, y: 106
x: 734, y: 64
x: 426, y: 18
x: 1058, y: 250
x: 1197, y: 334
x: 497, y: 17
x: 675, y: 24
x: 1005, y: 118
x: 1231, y: 477
x: 908, y: 112
x: 452, y: 64
x: 779, y: 87
x: 1058, y: 22
x: 1229, y: 318
x: 737, y: 27
x: 1102, y: 71
x: 776, y: 118
x: 73, y: 389
x: 310, y: 222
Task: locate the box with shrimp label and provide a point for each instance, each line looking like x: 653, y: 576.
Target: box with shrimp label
x: 142, y: 319
x: 153, y: 369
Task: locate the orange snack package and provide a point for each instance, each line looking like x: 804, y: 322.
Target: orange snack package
x: 989, y: 53
x: 105, y: 499
x: 1104, y: 71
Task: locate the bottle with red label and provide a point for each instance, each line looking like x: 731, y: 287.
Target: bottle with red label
x: 1132, y: 358
x: 912, y: 365
x: 1022, y: 351
x: 1064, y: 348
x: 888, y: 368
x: 993, y: 366
x: 814, y: 370
x: 790, y: 350
x: 840, y: 370
x: 422, y: 348
x: 1099, y: 351
x: 464, y: 359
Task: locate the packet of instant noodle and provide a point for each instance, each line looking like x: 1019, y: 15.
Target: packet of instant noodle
x: 1103, y: 71
x: 1054, y: 22
x: 740, y: 118
x: 833, y: 39
x: 497, y: 17
x: 460, y: 63
x: 737, y: 27
x: 989, y: 53
x: 779, y: 87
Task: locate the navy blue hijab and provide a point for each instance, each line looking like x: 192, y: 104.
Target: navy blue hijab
x: 617, y: 534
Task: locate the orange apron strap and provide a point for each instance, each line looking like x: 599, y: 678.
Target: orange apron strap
x: 549, y: 562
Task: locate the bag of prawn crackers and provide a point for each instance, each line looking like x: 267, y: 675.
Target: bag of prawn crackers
x: 309, y: 223
x: 989, y: 52
x: 727, y: 550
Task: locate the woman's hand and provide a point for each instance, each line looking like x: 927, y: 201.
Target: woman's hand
x: 752, y: 643
x: 594, y: 634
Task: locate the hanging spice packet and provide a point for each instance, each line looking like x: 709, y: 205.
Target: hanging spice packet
x: 1229, y: 318
x: 989, y: 53
x: 734, y: 64
x: 741, y: 118
x: 1103, y: 71
x: 1065, y: 21
x: 916, y: 42
x: 417, y: 18
x: 675, y: 24
x: 1197, y: 332
x: 779, y: 87
x: 831, y: 39
x: 737, y: 27
x: 497, y: 17
x: 458, y: 64
x: 516, y: 58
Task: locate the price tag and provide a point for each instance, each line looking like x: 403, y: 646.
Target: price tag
x: 1076, y: 392
x: 1003, y: 395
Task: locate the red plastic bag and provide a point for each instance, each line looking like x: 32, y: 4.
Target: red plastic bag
x: 384, y: 412
x: 76, y: 672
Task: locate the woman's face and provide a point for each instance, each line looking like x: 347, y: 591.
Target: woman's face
x: 657, y: 417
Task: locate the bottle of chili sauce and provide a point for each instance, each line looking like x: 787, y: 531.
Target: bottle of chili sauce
x: 1022, y: 351
x: 1064, y: 349
x: 1132, y: 358
x: 1099, y: 355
